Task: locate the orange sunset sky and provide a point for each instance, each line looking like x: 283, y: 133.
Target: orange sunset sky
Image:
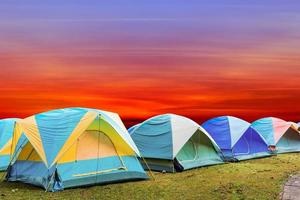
x: 142, y: 58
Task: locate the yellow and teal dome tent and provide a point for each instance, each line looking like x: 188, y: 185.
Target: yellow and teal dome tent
x: 172, y: 143
x: 6, y: 133
x: 73, y: 147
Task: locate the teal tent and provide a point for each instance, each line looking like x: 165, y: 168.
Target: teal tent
x: 6, y: 133
x: 174, y: 143
x: 281, y: 136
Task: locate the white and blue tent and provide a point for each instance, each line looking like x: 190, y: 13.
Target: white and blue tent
x: 172, y: 143
x: 236, y: 138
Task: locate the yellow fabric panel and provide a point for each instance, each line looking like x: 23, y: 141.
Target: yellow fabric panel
x: 27, y: 149
x: 84, y: 123
x: 90, y: 145
x: 16, y: 136
x: 69, y: 155
x: 35, y: 157
x: 121, y: 146
x: 94, y: 145
x: 30, y: 129
x: 6, y: 149
x: 29, y: 153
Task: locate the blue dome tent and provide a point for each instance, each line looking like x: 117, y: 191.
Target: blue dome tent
x: 236, y: 138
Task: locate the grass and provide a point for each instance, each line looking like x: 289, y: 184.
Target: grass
x: 254, y: 179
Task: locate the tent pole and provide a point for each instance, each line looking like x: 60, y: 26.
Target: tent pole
x: 98, y: 150
x: 50, y: 180
x: 150, y: 171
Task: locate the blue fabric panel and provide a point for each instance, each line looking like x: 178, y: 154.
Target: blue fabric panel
x: 154, y: 138
x: 3, y: 137
x: 134, y: 171
x: 265, y: 128
x: 35, y: 173
x: 114, y: 177
x: 6, y: 131
x: 4, y: 162
x: 218, y: 128
x: 68, y: 170
x: 250, y: 143
x: 55, y: 128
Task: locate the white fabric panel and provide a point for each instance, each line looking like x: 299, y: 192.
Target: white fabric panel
x: 183, y: 129
x: 117, y: 119
x: 237, y: 128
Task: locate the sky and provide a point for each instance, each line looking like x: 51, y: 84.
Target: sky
x: 200, y: 59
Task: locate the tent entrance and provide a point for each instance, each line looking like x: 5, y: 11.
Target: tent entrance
x: 93, y: 149
x: 28, y: 167
x: 28, y: 153
x: 289, y: 142
x: 242, y: 147
x: 250, y: 145
x: 198, y: 151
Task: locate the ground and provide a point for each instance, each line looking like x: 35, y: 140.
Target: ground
x: 292, y: 188
x: 254, y: 179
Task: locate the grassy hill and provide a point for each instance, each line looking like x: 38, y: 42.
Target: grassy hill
x: 254, y: 179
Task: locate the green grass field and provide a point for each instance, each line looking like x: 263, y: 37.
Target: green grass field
x: 254, y: 179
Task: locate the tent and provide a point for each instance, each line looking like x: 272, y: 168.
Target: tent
x: 172, y: 143
x: 279, y: 134
x: 6, y: 133
x: 73, y: 147
x: 294, y: 126
x: 130, y: 130
x: 236, y: 138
